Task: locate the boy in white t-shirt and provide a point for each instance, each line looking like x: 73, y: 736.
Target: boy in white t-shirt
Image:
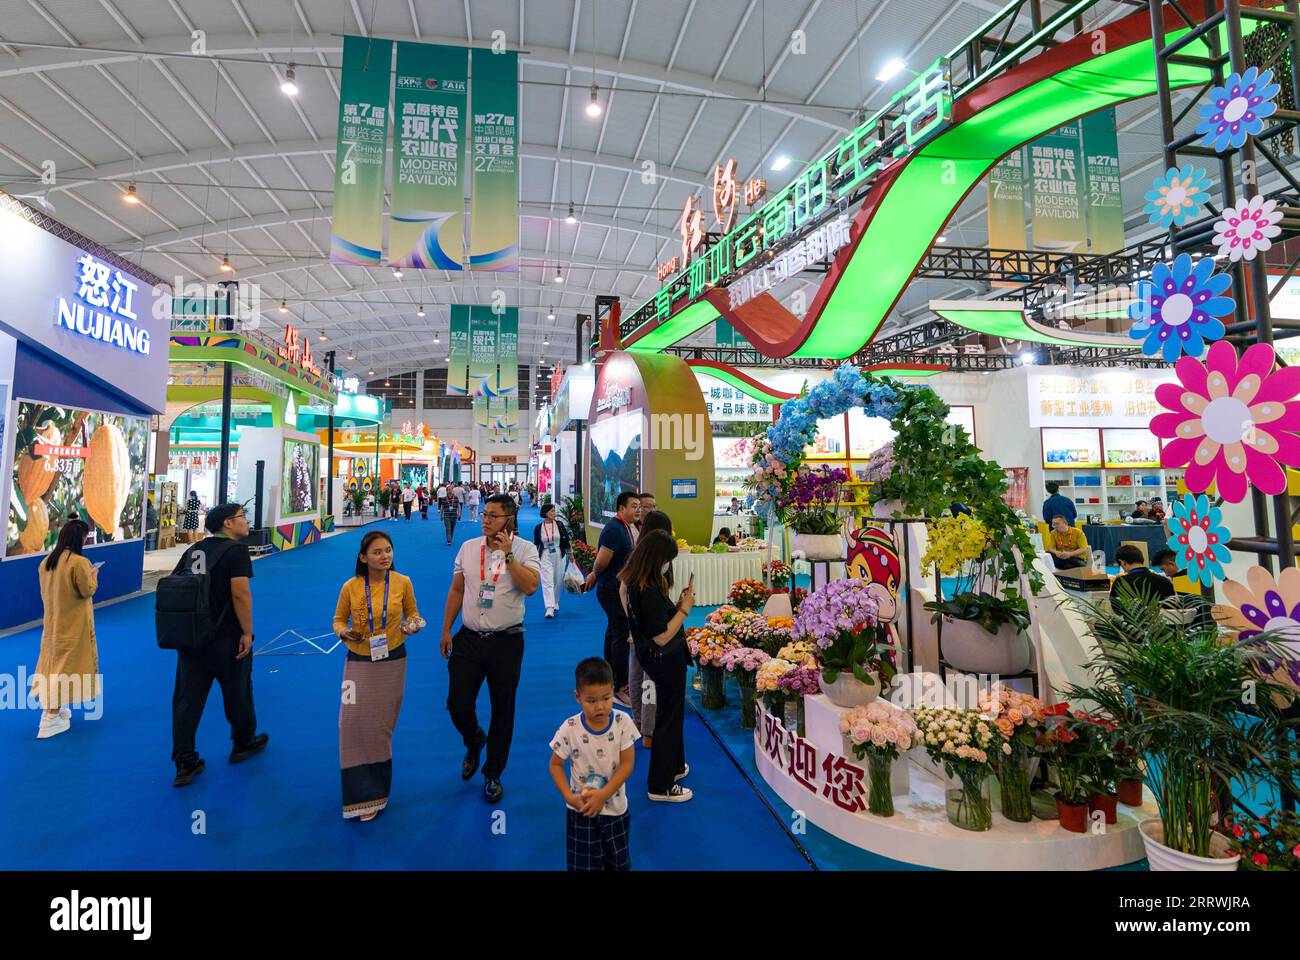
x: 598, y: 744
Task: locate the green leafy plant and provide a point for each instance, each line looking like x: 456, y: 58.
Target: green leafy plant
x: 574, y: 513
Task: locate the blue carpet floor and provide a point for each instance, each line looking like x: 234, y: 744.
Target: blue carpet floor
x: 100, y: 796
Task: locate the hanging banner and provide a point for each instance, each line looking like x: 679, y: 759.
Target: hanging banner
x: 494, y: 210
x: 1105, y: 205
x: 508, y: 353
x: 358, y: 231
x: 481, y: 409
x: 1006, y: 189
x: 429, y: 157
x: 482, y: 350
x: 1056, y: 195
x: 725, y: 335
x: 458, y: 339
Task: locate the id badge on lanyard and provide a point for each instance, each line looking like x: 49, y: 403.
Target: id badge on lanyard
x: 378, y: 641
x: 487, y: 590
x: 550, y: 542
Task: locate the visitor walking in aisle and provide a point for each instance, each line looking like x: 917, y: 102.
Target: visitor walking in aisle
x: 227, y: 657
x: 472, y: 500
x: 450, y: 512
x: 491, y: 576
x: 459, y: 491
x: 67, y: 669
x: 424, y: 502
x: 190, y: 525
x: 641, y: 689
x: 598, y: 743
x: 657, y: 628
x: 612, y: 549
x: 441, y: 494
x: 374, y: 630
x: 408, y: 501
x: 552, y: 543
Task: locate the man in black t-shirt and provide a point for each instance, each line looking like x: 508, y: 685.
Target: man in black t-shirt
x: 227, y: 658
x: 1137, y: 580
x: 612, y: 550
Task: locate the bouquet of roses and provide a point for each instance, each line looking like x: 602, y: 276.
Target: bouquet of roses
x: 779, y: 572
x: 747, y: 594
x: 879, y: 728
x: 725, y: 617
x: 707, y: 646
x: 797, y: 596
x: 964, y: 741
x: 583, y: 555
x: 802, y: 681
x: 1016, y: 715
x: 744, y: 663
x: 768, y: 680
x: 1062, y: 745
x: 799, y: 652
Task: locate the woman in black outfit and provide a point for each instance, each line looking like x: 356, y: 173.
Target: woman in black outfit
x: 657, y: 629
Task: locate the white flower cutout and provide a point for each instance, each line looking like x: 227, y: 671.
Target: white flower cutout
x: 1248, y: 228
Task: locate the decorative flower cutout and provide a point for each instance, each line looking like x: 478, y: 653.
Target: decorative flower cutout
x: 1267, y: 604
x: 1237, y: 109
x: 1246, y: 229
x: 1177, y: 197
x: 1199, y: 538
x: 1177, y: 308
x: 1229, y: 420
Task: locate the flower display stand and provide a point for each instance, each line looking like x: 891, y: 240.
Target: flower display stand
x: 814, y: 775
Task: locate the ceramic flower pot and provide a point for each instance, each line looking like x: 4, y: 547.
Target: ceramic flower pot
x: 1073, y: 816
x: 1160, y: 857
x: 1130, y: 793
x: 849, y: 691
x: 1106, y: 803
x: 819, y: 546
x: 970, y: 648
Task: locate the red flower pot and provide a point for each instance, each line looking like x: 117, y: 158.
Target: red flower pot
x: 1073, y: 816
x: 1130, y: 793
x: 1105, y: 802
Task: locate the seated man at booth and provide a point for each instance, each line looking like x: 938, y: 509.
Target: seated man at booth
x: 1066, y: 544
x: 1166, y: 561
x: 1137, y: 579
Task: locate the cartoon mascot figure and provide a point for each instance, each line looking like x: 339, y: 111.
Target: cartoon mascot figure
x: 873, y: 559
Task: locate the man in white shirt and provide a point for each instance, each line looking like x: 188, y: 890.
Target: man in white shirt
x: 408, y: 501
x: 492, y: 575
x: 471, y: 500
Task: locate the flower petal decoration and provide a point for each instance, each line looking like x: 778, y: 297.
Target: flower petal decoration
x: 1199, y: 538
x: 1248, y: 228
x: 1237, y: 109
x: 1229, y: 420
x: 1177, y: 197
x: 1177, y: 310
x: 1263, y: 603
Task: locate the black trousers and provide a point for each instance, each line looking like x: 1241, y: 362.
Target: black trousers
x: 1070, y: 563
x: 195, y: 671
x: 406, y: 508
x: 449, y: 518
x: 616, y: 647
x: 497, y: 658
x: 667, y: 668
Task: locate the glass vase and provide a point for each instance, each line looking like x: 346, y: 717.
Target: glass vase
x: 747, y: 719
x: 969, y: 801
x: 697, y: 682
x: 880, y: 797
x: 793, y: 717
x: 713, y: 695
x: 1015, y: 773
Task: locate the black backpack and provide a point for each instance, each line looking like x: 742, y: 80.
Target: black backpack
x: 183, y: 615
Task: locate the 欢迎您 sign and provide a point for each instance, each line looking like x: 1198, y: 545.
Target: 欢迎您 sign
x: 103, y: 308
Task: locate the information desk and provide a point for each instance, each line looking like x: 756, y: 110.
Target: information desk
x: 1107, y: 537
x: 715, y: 573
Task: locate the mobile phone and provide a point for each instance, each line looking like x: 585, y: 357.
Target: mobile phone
x: 100, y: 564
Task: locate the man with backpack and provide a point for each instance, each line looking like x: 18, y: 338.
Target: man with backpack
x: 204, y: 611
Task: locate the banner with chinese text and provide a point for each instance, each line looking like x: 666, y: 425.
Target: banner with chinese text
x: 458, y: 342
x: 494, y: 210
x: 1056, y: 194
x: 1101, y: 169
x: 358, y: 229
x: 482, y: 349
x: 429, y: 157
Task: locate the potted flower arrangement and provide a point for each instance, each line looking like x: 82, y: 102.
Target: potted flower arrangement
x: 965, y: 742
x: 753, y: 629
x: 747, y: 594
x: 982, y: 623
x: 1017, y: 717
x: 799, y: 652
x: 1061, y: 744
x: 796, y: 683
x: 767, y: 684
x: 878, y: 733
x: 583, y: 555
x: 724, y: 617
x: 1270, y: 843
x: 743, y: 663
x: 879, y: 472
x: 840, y: 618
x: 707, y: 647
x: 1099, y: 772
x: 779, y: 573
x: 811, y: 508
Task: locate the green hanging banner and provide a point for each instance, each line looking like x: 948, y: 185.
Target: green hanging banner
x: 508, y: 354
x: 1101, y: 167
x: 494, y: 210
x: 725, y: 335
x: 1006, y: 189
x: 358, y: 231
x: 482, y: 350
x: 1056, y: 196
x: 429, y: 157
x: 458, y: 342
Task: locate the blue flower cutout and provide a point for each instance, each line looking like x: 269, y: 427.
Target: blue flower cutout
x: 1237, y: 109
x: 1198, y: 538
x: 1177, y: 310
x: 1177, y: 197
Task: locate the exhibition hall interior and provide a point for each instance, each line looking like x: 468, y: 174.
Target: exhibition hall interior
x: 650, y: 435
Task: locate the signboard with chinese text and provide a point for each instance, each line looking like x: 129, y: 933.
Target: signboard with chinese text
x: 1120, y: 397
x: 494, y: 212
x: 358, y: 230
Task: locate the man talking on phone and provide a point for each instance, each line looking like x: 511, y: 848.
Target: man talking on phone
x: 492, y: 575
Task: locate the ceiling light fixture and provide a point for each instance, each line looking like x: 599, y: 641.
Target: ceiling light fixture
x: 322, y: 338
x: 370, y: 373
x: 546, y: 342
x: 892, y: 68
x: 1027, y: 359
x: 420, y: 312
x: 435, y: 338
x: 289, y: 85
x: 593, y: 107
x: 284, y: 307
x: 550, y: 315
x: 780, y: 163
x: 570, y: 218
x: 397, y: 272
x: 131, y: 196
x: 350, y: 357
x: 558, y: 277
x: 225, y: 265
x: 942, y: 239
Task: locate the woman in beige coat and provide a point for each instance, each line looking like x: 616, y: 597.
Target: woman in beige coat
x: 67, y: 672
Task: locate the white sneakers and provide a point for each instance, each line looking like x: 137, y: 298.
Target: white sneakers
x: 550, y: 614
x: 685, y: 772
x: 676, y: 794
x: 53, y: 726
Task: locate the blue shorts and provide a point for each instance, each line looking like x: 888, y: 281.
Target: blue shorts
x: 597, y: 843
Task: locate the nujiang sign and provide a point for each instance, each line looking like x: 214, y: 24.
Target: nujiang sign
x: 726, y: 193
x: 913, y: 117
x: 104, y: 289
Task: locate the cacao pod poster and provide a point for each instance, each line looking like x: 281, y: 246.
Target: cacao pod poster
x: 298, y: 478
x: 70, y: 461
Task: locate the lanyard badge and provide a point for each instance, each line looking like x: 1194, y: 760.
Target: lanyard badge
x: 378, y: 641
x: 487, y: 590
x: 549, y: 535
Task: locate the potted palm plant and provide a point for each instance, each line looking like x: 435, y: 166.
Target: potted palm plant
x: 1180, y: 693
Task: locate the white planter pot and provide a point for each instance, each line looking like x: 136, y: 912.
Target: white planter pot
x: 886, y: 508
x: 1161, y: 857
x: 849, y: 691
x: 819, y: 546
x: 970, y: 648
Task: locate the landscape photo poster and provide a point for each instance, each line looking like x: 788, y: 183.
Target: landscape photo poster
x: 615, y: 457
x: 69, y: 461
x: 298, y: 478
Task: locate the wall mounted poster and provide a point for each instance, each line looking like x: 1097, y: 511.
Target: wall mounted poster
x: 1071, y: 447
x: 298, y: 476
x: 615, y: 457
x: 1126, y: 447
x: 67, y: 461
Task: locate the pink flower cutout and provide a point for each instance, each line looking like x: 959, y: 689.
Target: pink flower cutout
x: 1230, y: 421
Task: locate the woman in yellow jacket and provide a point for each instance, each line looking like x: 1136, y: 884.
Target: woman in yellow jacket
x: 375, y: 614
x: 67, y: 671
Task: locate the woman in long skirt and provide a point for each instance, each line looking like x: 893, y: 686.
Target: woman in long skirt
x: 375, y: 614
x: 190, y: 524
x: 67, y: 670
